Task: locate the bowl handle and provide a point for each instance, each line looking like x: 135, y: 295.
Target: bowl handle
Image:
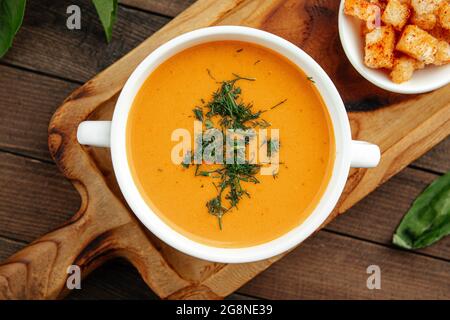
x: 94, y: 133
x: 364, y: 154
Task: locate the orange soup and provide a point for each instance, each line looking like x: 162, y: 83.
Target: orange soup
x: 289, y: 102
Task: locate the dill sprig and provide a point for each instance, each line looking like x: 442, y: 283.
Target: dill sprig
x: 226, y: 104
x: 230, y: 177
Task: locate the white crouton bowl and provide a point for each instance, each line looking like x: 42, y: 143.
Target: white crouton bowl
x: 424, y: 80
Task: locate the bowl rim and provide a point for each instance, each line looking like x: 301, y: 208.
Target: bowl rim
x: 161, y: 229
x: 368, y: 74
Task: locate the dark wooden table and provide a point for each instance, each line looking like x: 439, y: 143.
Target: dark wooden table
x: 48, y: 61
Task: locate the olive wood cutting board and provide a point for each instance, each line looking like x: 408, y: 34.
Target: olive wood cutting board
x: 403, y: 126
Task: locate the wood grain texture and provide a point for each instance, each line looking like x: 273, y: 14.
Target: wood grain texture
x: 30, y: 190
x: 376, y: 217
x: 8, y: 247
x: 78, y: 55
x: 103, y: 227
x: 118, y: 280
x: 329, y: 266
x: 45, y: 44
x: 372, y: 219
x: 113, y: 281
x: 23, y: 217
x: 169, y: 8
x: 28, y: 176
x: 28, y: 102
x: 437, y: 160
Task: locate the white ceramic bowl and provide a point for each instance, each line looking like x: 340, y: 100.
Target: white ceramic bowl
x: 424, y: 80
x: 348, y: 152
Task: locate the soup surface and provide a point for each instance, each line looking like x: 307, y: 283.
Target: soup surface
x: 278, y: 203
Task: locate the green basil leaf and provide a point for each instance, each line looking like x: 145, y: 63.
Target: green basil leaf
x: 11, y: 17
x: 107, y: 12
x: 428, y: 219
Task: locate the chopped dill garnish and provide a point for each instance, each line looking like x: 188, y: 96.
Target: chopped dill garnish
x: 198, y: 113
x: 231, y: 176
x: 186, y: 160
x: 209, y: 124
x: 226, y: 104
x: 230, y: 112
x: 210, y: 74
x: 273, y: 145
x: 278, y: 104
x: 311, y: 79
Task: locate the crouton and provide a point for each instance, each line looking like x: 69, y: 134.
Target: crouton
x: 404, y: 67
x: 442, y: 53
x: 362, y: 9
x: 423, y: 7
x: 381, y: 3
x: 396, y: 14
x: 440, y: 33
x: 418, y: 43
x: 426, y: 21
x: 444, y: 15
x: 365, y: 29
x: 425, y: 13
x: 379, y: 48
